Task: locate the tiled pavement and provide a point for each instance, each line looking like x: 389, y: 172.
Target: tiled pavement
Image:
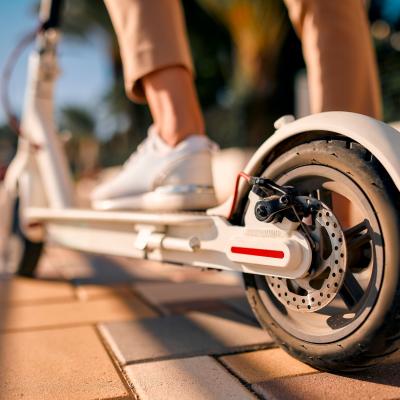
x: 98, y: 328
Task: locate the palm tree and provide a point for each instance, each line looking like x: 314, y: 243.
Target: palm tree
x: 258, y: 29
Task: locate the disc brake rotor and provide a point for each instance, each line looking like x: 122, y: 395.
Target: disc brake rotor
x: 319, y: 288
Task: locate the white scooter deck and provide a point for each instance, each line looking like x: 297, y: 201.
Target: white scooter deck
x: 194, y: 239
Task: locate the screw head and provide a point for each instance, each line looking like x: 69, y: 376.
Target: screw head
x: 284, y: 199
x: 261, y: 212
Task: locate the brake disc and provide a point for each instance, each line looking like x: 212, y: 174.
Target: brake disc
x: 326, y: 277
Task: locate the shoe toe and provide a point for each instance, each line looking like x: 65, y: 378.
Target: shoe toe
x: 123, y: 185
x: 101, y: 192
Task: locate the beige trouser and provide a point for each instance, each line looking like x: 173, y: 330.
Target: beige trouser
x: 335, y: 37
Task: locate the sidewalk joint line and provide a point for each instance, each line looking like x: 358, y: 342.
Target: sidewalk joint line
x: 158, y: 310
x: 246, y: 384
x: 237, y: 350
x: 118, y: 367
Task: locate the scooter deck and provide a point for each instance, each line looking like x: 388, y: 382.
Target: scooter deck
x: 131, y: 234
x: 193, y: 239
x: 122, y: 217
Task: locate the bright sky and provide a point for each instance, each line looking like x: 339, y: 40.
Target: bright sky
x: 85, y: 68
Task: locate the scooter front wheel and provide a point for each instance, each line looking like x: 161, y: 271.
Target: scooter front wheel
x: 360, y: 324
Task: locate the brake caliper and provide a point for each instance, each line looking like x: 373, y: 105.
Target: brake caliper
x: 326, y: 275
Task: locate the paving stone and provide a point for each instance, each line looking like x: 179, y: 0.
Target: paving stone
x: 381, y: 382
x: 152, y: 271
x: 264, y: 365
x: 101, y: 270
x: 186, y: 335
x: 180, y: 297
x: 28, y: 291
x: 67, y: 262
x: 89, y: 269
x: 84, y: 268
x: 90, y: 292
x: 47, y: 268
x: 241, y: 305
x: 76, y: 312
x: 171, y: 292
x: 58, y: 364
x: 199, y: 378
x: 207, y: 306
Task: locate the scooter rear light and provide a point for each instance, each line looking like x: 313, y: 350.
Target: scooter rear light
x: 258, y: 252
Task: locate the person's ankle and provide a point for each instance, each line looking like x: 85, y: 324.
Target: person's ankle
x: 176, y: 138
x: 175, y: 134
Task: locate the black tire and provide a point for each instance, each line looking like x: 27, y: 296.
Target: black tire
x: 376, y: 335
x: 25, y: 253
x: 29, y: 261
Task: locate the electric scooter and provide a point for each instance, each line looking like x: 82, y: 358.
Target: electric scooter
x: 323, y: 283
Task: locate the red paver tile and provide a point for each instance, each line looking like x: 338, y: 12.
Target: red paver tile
x: 174, y: 297
x: 90, y: 292
x: 198, y: 378
x: 57, y: 364
x: 28, y: 291
x: 170, y: 292
x: 74, y: 313
x: 89, y: 269
x: 47, y: 268
x: 263, y: 365
x: 382, y: 382
x: 185, y: 335
x: 148, y: 271
x: 208, y: 306
x: 241, y: 305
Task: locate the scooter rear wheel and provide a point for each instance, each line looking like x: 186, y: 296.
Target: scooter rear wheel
x: 361, y: 325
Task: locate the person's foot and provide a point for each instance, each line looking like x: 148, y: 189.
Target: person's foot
x: 159, y: 177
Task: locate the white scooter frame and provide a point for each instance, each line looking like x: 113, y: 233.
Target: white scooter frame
x: 39, y: 176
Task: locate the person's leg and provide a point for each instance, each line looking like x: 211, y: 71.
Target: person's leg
x: 157, y: 64
x: 172, y: 98
x: 171, y: 170
x: 337, y: 48
x: 341, y: 66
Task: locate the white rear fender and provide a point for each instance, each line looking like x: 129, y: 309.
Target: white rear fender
x: 380, y: 139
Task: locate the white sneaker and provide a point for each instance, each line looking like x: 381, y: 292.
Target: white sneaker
x: 158, y: 177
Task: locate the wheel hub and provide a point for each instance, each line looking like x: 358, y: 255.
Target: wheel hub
x: 326, y: 276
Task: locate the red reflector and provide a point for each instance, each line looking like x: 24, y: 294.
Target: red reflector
x: 258, y: 252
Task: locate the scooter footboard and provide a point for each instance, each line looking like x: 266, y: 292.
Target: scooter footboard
x: 197, y: 240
